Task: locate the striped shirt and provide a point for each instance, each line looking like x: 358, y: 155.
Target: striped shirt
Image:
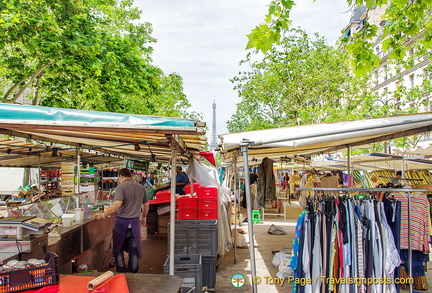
x: 419, y: 221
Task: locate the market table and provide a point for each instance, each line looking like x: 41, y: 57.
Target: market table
x: 136, y: 283
x: 155, y: 283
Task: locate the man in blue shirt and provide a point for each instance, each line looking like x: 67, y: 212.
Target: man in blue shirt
x: 181, y: 181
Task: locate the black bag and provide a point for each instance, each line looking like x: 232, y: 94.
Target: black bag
x: 277, y: 230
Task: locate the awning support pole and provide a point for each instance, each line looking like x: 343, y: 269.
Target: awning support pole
x: 244, y: 149
x: 349, y: 165
x: 39, y: 170
x: 78, y: 168
x: 236, y: 197
x: 409, y: 243
x: 172, y: 208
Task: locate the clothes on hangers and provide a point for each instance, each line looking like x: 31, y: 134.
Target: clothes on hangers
x: 345, y: 238
x: 266, y: 189
x: 420, y: 225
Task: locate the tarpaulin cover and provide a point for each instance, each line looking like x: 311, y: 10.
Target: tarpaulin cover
x: 324, y: 136
x: 208, y: 176
x: 36, y: 114
x: 209, y: 157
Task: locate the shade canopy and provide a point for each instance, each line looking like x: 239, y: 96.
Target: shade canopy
x: 324, y: 137
x: 36, y: 135
x: 374, y: 161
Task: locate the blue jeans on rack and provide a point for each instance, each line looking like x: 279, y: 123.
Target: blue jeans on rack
x: 129, y: 245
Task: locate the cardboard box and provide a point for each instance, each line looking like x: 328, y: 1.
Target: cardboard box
x: 162, y: 230
x: 163, y: 221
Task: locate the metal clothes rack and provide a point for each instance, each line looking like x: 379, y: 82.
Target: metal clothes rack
x: 408, y: 191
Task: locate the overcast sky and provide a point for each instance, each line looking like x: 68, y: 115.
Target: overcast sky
x: 204, y: 40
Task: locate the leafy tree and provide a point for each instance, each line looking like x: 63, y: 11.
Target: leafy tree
x: 299, y: 81
x: 89, y: 54
x: 406, y: 19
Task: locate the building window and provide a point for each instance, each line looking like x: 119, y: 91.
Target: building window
x: 411, y: 80
x: 376, y: 73
x: 411, y: 52
x: 385, y: 72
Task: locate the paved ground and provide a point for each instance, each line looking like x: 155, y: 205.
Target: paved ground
x: 238, y: 261
x: 265, y: 244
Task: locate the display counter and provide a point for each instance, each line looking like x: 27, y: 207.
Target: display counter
x: 89, y: 242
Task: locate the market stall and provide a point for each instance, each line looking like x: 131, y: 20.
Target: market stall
x: 46, y: 138
x: 316, y: 139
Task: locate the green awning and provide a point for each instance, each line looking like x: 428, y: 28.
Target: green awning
x: 129, y: 136
x: 42, y: 115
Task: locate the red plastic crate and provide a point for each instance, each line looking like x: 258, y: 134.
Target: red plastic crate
x: 207, y: 192
x: 163, y: 195
x: 207, y: 203
x: 188, y: 214
x: 187, y: 188
x: 187, y: 202
x: 207, y: 214
x: 32, y: 277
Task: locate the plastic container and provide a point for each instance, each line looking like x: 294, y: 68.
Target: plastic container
x: 163, y: 195
x: 189, y: 268
x: 207, y: 192
x: 188, y: 214
x: 67, y: 220
x: 187, y: 202
x: 196, y: 237
x: 207, y: 203
x: 86, y: 207
x: 209, y: 272
x: 187, y: 188
x: 207, y: 214
x: 79, y: 215
x: 33, y: 277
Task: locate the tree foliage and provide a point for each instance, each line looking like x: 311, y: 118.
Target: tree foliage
x: 299, y: 81
x: 406, y: 19
x: 91, y: 54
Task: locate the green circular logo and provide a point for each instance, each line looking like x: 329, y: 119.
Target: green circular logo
x: 238, y: 280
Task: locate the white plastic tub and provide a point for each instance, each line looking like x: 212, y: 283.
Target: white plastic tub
x: 68, y: 220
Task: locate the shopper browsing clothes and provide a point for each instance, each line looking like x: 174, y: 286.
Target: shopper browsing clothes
x: 307, y: 181
x: 131, y: 207
x: 294, y: 181
x: 396, y: 180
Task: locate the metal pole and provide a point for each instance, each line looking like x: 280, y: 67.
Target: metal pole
x: 349, y: 166
x: 78, y: 174
x: 172, y: 208
x: 244, y: 148
x: 39, y: 170
x: 409, y: 243
x: 235, y: 210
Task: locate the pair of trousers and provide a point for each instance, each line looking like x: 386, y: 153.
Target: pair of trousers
x: 129, y: 245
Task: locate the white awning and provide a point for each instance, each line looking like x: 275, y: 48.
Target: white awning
x: 326, y: 137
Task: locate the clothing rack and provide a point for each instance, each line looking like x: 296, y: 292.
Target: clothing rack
x: 408, y: 191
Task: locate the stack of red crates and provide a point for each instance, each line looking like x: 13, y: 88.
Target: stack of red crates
x: 203, y: 206
x: 207, y: 203
x: 187, y: 188
x: 187, y: 207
